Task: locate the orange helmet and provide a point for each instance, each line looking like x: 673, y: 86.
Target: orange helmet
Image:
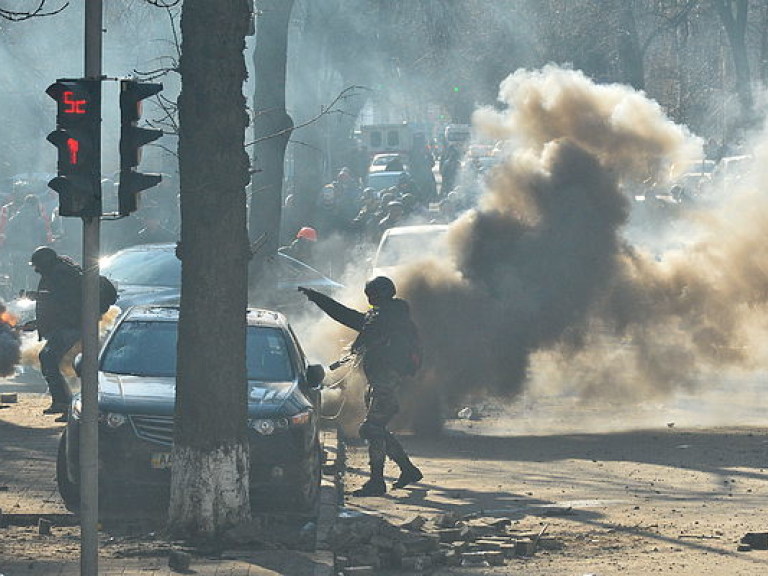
x: 307, y: 233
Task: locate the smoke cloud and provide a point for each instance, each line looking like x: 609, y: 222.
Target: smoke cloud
x: 545, y: 283
x: 10, y: 350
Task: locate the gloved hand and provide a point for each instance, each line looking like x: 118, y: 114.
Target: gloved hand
x: 308, y: 292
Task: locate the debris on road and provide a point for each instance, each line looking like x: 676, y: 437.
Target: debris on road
x: 363, y: 541
x: 755, y: 541
x: 44, y: 527
x: 179, y: 561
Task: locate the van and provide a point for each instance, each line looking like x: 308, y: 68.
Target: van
x: 403, y: 245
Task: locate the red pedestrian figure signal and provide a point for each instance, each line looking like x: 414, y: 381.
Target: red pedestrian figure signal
x: 72, y: 105
x: 73, y: 147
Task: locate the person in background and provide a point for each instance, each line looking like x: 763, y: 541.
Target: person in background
x: 58, y: 319
x: 303, y: 246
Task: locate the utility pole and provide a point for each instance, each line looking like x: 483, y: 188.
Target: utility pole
x: 89, y: 376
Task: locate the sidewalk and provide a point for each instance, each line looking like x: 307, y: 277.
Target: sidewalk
x: 28, y: 444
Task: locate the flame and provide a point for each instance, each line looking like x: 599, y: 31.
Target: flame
x: 8, y: 318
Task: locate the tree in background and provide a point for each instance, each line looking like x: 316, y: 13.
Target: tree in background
x: 271, y: 131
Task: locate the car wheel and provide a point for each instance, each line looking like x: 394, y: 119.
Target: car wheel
x: 70, y: 492
x: 305, y: 495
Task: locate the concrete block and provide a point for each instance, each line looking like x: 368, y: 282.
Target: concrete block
x: 415, y: 523
x: 358, y: 570
x: 420, y: 545
x: 178, y: 560
x: 524, y: 547
x: 447, y: 520
x: 495, y: 558
x: 757, y: 540
x: 44, y: 527
x: 509, y: 550
x: 453, y: 534
x: 473, y: 559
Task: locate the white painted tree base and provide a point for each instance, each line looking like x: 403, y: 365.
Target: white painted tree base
x: 209, y: 491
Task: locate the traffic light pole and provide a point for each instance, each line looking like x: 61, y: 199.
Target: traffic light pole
x: 89, y: 428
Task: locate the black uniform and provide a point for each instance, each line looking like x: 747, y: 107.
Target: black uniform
x: 58, y: 319
x: 377, y: 329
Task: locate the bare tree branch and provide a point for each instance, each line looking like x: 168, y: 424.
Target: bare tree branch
x: 162, y: 4
x: 346, y: 93
x: 18, y: 16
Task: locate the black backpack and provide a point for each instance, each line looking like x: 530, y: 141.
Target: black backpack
x: 107, y: 294
x: 406, y: 350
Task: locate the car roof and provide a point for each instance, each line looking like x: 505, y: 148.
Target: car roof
x: 256, y: 316
x: 417, y: 229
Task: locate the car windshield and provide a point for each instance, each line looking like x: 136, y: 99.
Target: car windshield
x: 151, y: 267
x: 381, y: 180
x: 399, y: 249
x: 148, y: 348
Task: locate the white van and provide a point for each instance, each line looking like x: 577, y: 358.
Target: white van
x: 408, y: 244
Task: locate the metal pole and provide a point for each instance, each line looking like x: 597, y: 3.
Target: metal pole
x: 89, y: 426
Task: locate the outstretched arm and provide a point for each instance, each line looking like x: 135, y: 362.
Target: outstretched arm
x: 347, y: 316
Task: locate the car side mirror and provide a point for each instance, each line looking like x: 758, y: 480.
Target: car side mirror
x: 77, y: 363
x: 315, y: 375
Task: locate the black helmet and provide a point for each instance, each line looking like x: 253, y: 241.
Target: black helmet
x: 380, y: 288
x: 43, y: 257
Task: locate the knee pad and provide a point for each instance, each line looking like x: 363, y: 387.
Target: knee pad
x: 370, y: 431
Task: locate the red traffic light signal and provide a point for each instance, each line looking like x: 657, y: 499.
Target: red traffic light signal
x: 132, y: 138
x: 78, y: 140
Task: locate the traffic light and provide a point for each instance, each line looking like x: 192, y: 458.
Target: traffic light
x: 132, y: 138
x: 78, y: 140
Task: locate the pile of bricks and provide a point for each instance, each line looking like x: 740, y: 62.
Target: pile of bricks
x: 363, y: 543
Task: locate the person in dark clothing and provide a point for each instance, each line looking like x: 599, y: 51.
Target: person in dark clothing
x: 303, y: 246
x: 58, y: 319
x: 377, y: 330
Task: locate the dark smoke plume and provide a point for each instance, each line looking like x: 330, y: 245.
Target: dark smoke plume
x: 542, y: 267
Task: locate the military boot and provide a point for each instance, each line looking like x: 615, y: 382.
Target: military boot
x: 375, y: 486
x: 408, y: 475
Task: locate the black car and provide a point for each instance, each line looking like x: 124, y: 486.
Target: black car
x: 151, y: 274
x: 137, y: 378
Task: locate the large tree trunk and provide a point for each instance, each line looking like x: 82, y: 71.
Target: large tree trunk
x: 209, y: 487
x: 733, y: 15
x: 630, y: 52
x: 271, y: 130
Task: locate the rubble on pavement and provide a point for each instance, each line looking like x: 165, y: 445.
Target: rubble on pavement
x: 363, y: 543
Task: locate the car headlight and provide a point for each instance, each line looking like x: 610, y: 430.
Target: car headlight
x: 265, y: 427
x: 113, y: 419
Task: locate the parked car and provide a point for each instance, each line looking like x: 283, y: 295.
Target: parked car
x: 151, y: 274
x: 408, y: 244
x: 137, y: 387
x: 381, y: 180
x: 380, y: 161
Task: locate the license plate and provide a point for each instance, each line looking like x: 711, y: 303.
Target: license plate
x: 161, y: 460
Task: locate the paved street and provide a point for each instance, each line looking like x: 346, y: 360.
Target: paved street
x: 28, y: 441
